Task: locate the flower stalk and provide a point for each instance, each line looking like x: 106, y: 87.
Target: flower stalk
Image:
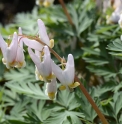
x: 66, y: 12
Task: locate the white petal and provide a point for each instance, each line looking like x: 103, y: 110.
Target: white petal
x: 36, y: 61
x: 12, y: 49
x: 69, y: 72
x: 3, y: 46
x: 20, y: 58
x: 32, y: 44
x: 38, y: 53
x: 47, y: 62
x: 68, y: 76
x: 70, y: 60
x: 52, y: 86
x: 58, y: 72
x: 42, y: 32
x: 19, y: 37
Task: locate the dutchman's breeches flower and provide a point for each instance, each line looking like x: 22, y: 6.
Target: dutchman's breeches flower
x: 9, y: 51
x: 13, y: 55
x: 45, y: 3
x: 43, y: 34
x: 66, y: 76
x: 44, y: 67
x: 51, y: 89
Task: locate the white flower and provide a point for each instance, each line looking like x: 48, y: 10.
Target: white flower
x: 9, y: 51
x: 45, y: 3
x: 51, y: 89
x: 43, y: 34
x: 66, y: 76
x: 43, y: 66
x: 13, y: 55
x: 114, y: 18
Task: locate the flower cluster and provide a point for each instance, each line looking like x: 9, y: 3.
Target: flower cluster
x: 46, y: 69
x: 45, y: 3
x: 116, y: 15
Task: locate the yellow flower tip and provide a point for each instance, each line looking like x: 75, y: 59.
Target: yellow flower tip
x: 12, y: 64
x: 4, y: 61
x: 49, y: 78
x: 46, y: 4
x: 62, y: 63
x: 51, y: 95
x: 74, y: 85
x: 39, y: 2
x: 51, y: 43
x: 42, y: 54
x: 41, y: 78
x: 20, y: 64
x: 62, y: 87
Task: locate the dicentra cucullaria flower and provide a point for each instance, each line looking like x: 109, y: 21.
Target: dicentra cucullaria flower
x: 46, y: 69
x: 45, y: 3
x: 51, y: 89
x: 13, y: 55
x: 115, y: 16
x: 66, y: 76
x: 43, y: 34
x: 43, y: 64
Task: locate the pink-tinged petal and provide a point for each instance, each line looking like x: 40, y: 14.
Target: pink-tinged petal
x: 42, y: 32
x: 20, y: 58
x: 52, y: 86
x: 19, y: 37
x: 12, y: 49
x: 47, y: 62
x: 38, y: 53
x: 68, y: 76
x: 70, y: 60
x: 69, y: 71
x: 51, y: 89
x: 58, y: 72
x: 70, y: 66
x: 3, y: 46
x: 36, y: 60
x: 32, y: 44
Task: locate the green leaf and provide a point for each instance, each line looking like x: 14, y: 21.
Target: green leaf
x: 40, y: 110
x: 96, y: 61
x: 61, y: 117
x: 68, y: 99
x: 30, y: 89
x: 21, y: 75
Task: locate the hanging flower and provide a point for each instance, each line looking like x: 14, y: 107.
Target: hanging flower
x: 51, y: 89
x: 13, y: 55
x: 66, y: 76
x: 115, y: 16
x: 45, y: 3
x: 43, y: 34
x: 43, y: 66
x: 9, y: 51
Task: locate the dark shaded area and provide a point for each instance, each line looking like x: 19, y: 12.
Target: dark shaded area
x: 8, y: 8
